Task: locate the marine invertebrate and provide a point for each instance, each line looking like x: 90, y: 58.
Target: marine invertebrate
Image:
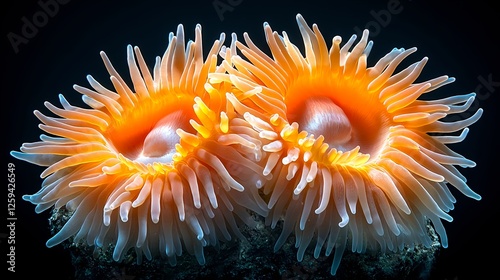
x: 344, y: 153
x: 358, y: 158
x: 154, y: 167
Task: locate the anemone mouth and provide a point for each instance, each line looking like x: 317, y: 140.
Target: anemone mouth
x: 148, y: 134
x: 330, y: 108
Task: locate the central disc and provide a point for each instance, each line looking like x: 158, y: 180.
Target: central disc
x: 147, y: 134
x: 321, y: 116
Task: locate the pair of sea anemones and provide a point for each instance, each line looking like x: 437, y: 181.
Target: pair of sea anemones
x: 342, y: 153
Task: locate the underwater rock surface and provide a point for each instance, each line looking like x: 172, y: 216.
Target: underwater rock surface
x: 253, y: 258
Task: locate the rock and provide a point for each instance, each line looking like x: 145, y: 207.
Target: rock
x: 253, y: 258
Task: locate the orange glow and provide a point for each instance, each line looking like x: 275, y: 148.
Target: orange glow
x: 127, y: 133
x: 366, y: 114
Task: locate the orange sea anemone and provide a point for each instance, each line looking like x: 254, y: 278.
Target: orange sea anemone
x: 156, y: 167
x: 341, y: 153
x: 357, y: 158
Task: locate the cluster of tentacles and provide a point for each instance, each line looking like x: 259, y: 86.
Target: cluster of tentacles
x: 344, y: 154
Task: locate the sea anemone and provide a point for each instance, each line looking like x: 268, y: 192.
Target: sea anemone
x: 157, y: 167
x: 357, y: 157
x: 340, y: 153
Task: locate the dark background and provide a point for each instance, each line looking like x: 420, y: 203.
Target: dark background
x: 461, y: 40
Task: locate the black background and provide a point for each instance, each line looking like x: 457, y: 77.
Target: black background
x: 461, y: 40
